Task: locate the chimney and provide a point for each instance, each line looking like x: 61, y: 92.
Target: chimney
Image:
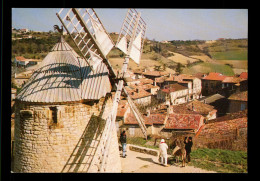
x: 147, y: 112
x: 169, y: 109
x: 154, y: 83
x: 144, y: 70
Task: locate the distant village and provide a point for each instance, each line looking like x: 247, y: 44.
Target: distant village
x: 202, y: 105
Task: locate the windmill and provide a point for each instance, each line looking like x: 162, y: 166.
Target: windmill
x: 94, y: 43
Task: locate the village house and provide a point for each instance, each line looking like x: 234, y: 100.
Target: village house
x: 226, y: 132
x: 238, y: 101
x: 212, y: 83
x: 174, y: 93
x: 138, y: 73
x: 13, y: 93
x: 160, y: 81
x: 196, y: 89
x: 201, y: 108
x: 24, y: 30
x: 154, y: 121
x: 132, y: 128
x: 21, y: 61
x: 189, y: 123
x: 21, y: 78
x: 139, y: 95
x: 191, y: 82
x: 154, y: 74
x: 219, y: 102
x: 122, y: 111
x: 244, y: 81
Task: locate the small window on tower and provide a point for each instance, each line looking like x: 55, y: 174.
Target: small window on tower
x: 54, y: 114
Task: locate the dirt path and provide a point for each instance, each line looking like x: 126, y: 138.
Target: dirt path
x: 136, y: 162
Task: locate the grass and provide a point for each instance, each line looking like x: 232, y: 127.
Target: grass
x: 207, y: 67
x: 230, y: 55
x: 141, y: 142
x: 222, y: 161
x: 218, y: 160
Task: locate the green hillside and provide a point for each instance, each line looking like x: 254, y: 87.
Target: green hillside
x: 160, y: 55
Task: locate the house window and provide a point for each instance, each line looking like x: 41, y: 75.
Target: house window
x: 132, y: 131
x: 54, y: 114
x: 243, y: 106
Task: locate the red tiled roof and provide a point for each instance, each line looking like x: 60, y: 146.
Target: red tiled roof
x: 219, y: 130
x: 231, y: 116
x: 130, y: 119
x: 199, y: 75
x: 122, y: 108
x: 145, y: 81
x: 183, y: 121
x: 132, y: 91
x: 243, y: 75
x: 186, y: 76
x: 160, y: 79
x: 232, y: 79
x: 173, y: 88
x: 215, y: 76
x: 155, y: 73
x: 194, y: 107
x: 20, y: 58
x: 155, y: 118
x: 240, y: 96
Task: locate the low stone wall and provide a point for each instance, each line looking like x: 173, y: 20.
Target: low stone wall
x: 143, y: 150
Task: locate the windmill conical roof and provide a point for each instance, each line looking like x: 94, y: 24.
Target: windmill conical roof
x: 65, y: 77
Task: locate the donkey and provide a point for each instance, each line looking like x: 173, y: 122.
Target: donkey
x: 179, y: 151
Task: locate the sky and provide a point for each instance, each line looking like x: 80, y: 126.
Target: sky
x: 162, y: 24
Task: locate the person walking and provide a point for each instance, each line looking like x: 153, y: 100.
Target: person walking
x: 163, y: 152
x: 188, y: 144
x: 123, y: 142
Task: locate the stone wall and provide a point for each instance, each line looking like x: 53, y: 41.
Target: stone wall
x: 42, y: 145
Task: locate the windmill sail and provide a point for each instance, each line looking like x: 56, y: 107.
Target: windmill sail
x: 122, y: 44
x: 95, y: 59
x: 88, y: 34
x: 135, y: 52
x: 102, y: 38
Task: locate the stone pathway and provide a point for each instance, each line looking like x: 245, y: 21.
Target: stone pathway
x: 136, y: 162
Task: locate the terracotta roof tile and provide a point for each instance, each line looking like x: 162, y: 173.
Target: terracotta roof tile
x: 244, y: 75
x: 122, y: 108
x: 215, y: 76
x: 173, y: 88
x: 130, y: 119
x: 231, y: 116
x: 220, y: 130
x: 160, y: 79
x: 137, y: 93
x: 194, y: 107
x: 20, y: 58
x: 232, y: 79
x: 155, y: 73
x: 155, y: 118
x: 183, y: 121
x: 240, y: 96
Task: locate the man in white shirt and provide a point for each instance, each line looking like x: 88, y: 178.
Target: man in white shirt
x: 163, y: 152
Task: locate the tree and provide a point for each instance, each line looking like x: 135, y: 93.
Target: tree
x: 179, y: 68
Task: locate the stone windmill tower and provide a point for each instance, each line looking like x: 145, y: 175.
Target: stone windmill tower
x: 65, y: 113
